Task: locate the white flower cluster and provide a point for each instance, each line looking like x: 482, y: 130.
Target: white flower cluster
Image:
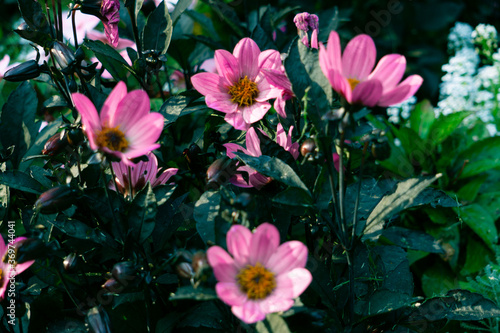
x: 466, y: 86
x: 402, y: 110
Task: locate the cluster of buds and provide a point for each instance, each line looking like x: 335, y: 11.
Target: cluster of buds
x: 305, y: 22
x: 192, y: 266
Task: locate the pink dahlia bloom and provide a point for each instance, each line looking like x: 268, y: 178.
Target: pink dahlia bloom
x: 240, y: 89
x: 125, y: 127
x: 7, y: 269
x: 258, y: 275
x: 351, y: 74
x: 140, y: 175
x: 256, y: 179
x: 108, y: 11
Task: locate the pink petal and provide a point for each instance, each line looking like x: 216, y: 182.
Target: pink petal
x: 253, y: 143
x: 247, y: 53
x: 290, y: 255
x: 275, y: 304
x: 359, y: 57
x: 389, y: 71
x: 270, y: 59
x: 22, y: 267
x: 294, y: 150
x: 292, y: 283
x: 330, y: 57
x: 146, y: 131
x: 90, y: 119
x: 402, y: 92
x: 266, y: 91
x: 227, y: 66
x: 110, y: 106
x: 230, y: 293
x: 281, y: 137
x: 277, y: 79
x: 314, y: 39
x: 280, y: 106
x: 134, y: 152
x: 208, y: 83
x: 255, y: 112
x: 339, y: 84
x: 367, y: 93
x: 238, y: 180
x: 238, y: 243
x: 221, y: 102
x: 237, y: 121
x: 222, y: 264
x: 264, y: 243
x: 233, y: 147
x: 249, y: 312
x: 3, y: 248
x: 258, y: 180
x: 132, y: 108
x: 165, y: 176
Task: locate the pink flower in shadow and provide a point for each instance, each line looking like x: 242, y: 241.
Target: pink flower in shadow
x: 257, y: 275
x: 6, y: 268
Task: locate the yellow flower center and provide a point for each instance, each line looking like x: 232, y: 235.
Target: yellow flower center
x: 244, y: 92
x: 112, y: 138
x: 353, y: 83
x: 256, y: 281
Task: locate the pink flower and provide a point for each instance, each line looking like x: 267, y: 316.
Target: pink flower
x: 259, y: 276
x: 140, y: 175
x: 7, y: 269
x: 351, y: 75
x: 240, y: 89
x: 125, y: 128
x: 256, y: 179
x: 108, y: 11
x: 303, y: 22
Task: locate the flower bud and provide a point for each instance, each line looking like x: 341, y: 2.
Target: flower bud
x: 381, y: 150
x: 308, y: 147
x: 25, y: 71
x: 63, y: 56
x: 75, y: 136
x: 113, y: 286
x: 184, y: 270
x: 56, y: 199
x: 70, y: 262
x: 199, y: 262
x: 124, y: 272
x: 56, y: 144
x: 220, y: 171
x: 98, y: 320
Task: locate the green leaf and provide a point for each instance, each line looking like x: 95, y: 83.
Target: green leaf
x: 141, y: 217
x: 206, y: 210
x: 443, y: 126
x: 476, y: 258
x: 437, y: 280
x: 21, y: 181
x: 411, y: 239
x: 110, y: 59
x: 33, y: 15
x: 274, y: 168
x: 158, y: 30
x: 481, y: 222
x: 189, y: 292
x: 421, y: 118
x: 404, y: 197
x: 180, y: 7
x: 479, y: 157
x: 17, y: 121
x: 227, y: 13
x: 163, y: 193
x: 181, y: 105
x: 39, y: 143
x: 273, y: 324
x: 293, y: 196
x: 458, y: 305
x: 437, y: 15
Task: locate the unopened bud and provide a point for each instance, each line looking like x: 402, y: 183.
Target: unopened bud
x: 63, y: 56
x: 98, y: 320
x: 199, y: 262
x: 308, y: 147
x: 124, y: 272
x: 70, y: 261
x: 220, y: 171
x: 113, y: 286
x: 184, y: 270
x: 56, y: 144
x: 25, y: 71
x: 56, y: 199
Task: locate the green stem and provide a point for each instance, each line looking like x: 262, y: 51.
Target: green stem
x: 358, y: 193
x: 73, y: 23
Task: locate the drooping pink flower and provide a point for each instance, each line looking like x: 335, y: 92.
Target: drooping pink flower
x: 256, y: 179
x: 258, y: 275
x: 351, y: 74
x: 108, y: 11
x: 12, y: 267
x: 125, y: 127
x: 304, y: 22
x: 240, y: 89
x: 140, y: 175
